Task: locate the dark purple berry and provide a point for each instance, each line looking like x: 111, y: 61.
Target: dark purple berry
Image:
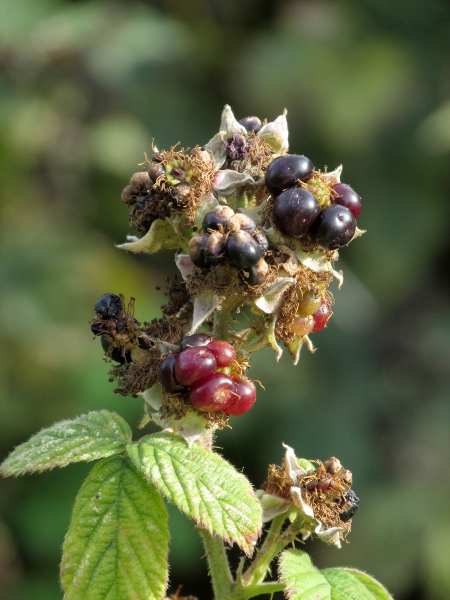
x: 352, y: 499
x: 197, y: 253
x: 335, y: 227
x: 242, y: 250
x: 251, y: 123
x: 97, y: 327
x: 166, y: 374
x: 108, y: 306
x: 115, y: 354
x: 213, y: 393
x: 287, y: 171
x: 194, y: 364
x: 295, y: 211
x: 217, y: 217
x: 196, y: 339
x: 347, y: 197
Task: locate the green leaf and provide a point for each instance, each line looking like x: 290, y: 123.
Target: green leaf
x: 203, y: 485
x: 117, y: 544
x: 351, y: 584
x: 91, y: 436
x: 301, y: 578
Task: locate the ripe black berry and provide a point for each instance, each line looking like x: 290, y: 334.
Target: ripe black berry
x: 353, y: 500
x: 295, y: 211
x: 166, y: 374
x: 261, y: 239
x: 196, y: 339
x: 286, y: 171
x: 108, y: 306
x: 197, y: 253
x: 347, y: 197
x: 334, y: 228
x: 217, y: 217
x: 251, y: 123
x: 242, y: 250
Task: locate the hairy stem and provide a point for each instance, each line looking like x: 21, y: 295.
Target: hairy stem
x: 269, y: 587
x: 274, y: 543
x: 223, y: 317
x: 219, y: 569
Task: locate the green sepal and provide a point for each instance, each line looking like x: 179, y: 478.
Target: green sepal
x: 95, y: 435
x: 203, y: 485
x: 117, y: 544
x: 300, y: 577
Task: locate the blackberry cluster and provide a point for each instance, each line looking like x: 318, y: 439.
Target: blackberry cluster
x: 234, y: 237
x: 203, y: 369
x: 307, y: 205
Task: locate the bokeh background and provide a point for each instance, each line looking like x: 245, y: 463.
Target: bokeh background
x: 84, y: 87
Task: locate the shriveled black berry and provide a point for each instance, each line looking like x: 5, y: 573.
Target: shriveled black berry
x: 196, y: 339
x: 236, y: 147
x: 287, y: 171
x: 181, y: 194
x: 115, y: 354
x: 97, y: 327
x: 217, y: 217
x: 243, y: 250
x: 215, y: 247
x: 197, y: 253
x: 294, y: 211
x: 108, y: 306
x: 335, y: 227
x: 352, y: 499
x: 251, y: 123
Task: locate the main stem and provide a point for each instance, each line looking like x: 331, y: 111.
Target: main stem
x: 219, y: 568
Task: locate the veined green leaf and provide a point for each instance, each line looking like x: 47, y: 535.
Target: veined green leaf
x: 203, y: 485
x: 301, y: 578
x: 117, y: 544
x: 351, y: 584
x: 95, y: 435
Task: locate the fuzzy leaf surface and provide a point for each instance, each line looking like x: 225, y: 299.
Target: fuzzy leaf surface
x: 378, y: 591
x: 117, y: 544
x: 95, y: 435
x: 203, y: 485
x: 301, y: 578
x: 350, y: 584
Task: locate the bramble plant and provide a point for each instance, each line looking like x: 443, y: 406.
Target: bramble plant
x: 255, y: 232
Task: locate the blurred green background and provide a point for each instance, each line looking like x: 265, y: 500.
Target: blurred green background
x: 84, y: 87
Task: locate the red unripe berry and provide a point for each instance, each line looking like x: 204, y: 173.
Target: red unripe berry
x: 213, y: 393
x: 347, y: 197
x: 193, y: 364
x: 321, y: 317
x: 246, y: 396
x: 223, y: 351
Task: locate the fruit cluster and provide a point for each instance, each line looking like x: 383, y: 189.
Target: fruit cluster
x: 233, y: 236
x: 203, y: 369
x: 307, y: 203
